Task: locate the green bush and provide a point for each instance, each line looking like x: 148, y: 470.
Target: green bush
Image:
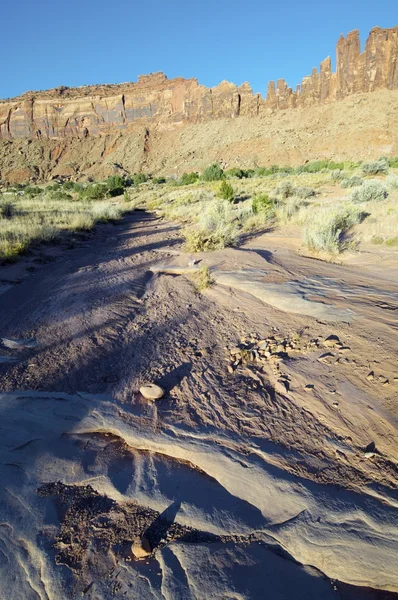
x: 316, y: 166
x: 59, y: 194
x: 159, y: 180
x: 392, y: 242
x: 351, y: 182
x: 369, y: 190
x: 262, y: 203
x: 238, y: 173
x: 97, y: 191
x: 393, y: 162
x: 69, y: 185
x: 226, y: 191
x: 188, y: 178
x: 117, y: 191
x: 32, y: 190
x: 115, y: 182
x: 139, y: 178
x: 377, y: 167
x: 213, y: 173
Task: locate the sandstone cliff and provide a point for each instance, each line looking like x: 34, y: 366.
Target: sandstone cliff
x: 102, y: 110
x: 172, y: 126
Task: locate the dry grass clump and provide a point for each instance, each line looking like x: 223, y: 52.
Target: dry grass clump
x: 202, y: 278
x: 27, y: 219
x: 328, y: 226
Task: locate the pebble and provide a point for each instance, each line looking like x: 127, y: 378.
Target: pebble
x: 151, y: 391
x: 370, y: 376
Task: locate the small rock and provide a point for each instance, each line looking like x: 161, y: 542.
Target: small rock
x: 325, y: 357
x: 331, y: 341
x: 230, y: 369
x: 141, y: 548
x: 151, y: 391
x: 309, y: 386
x: 235, y: 350
x: 369, y: 454
x: 370, y: 376
x: 345, y: 349
x: 282, y: 386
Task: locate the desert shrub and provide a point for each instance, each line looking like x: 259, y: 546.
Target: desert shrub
x: 59, y: 194
x: 202, y: 278
x: 213, y: 173
x: 262, y: 203
x: 377, y: 240
x: 285, y: 210
x: 304, y: 192
x: 69, y: 185
x: 115, y: 182
x: 316, y: 166
x: 285, y: 190
x: 188, y: 178
x: 392, y: 242
x: 226, y: 191
x: 139, y: 178
x: 238, y: 173
x: 96, y: 191
x: 369, y: 190
x: 392, y: 182
x: 32, y: 190
x: 351, y: 182
x: 393, y: 162
x: 327, y: 228
x: 337, y: 175
x: 375, y: 167
x: 7, y: 209
x: 202, y: 241
x: 159, y: 180
x: 115, y: 192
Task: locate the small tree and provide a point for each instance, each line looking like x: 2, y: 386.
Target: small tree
x: 226, y: 191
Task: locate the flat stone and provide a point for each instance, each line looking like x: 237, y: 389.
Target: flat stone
x: 151, y: 391
x: 325, y: 357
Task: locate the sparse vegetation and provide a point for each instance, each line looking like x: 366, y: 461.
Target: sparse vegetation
x: 392, y: 242
x: 369, y: 190
x: 139, y: 178
x: 262, y: 203
x: 26, y: 219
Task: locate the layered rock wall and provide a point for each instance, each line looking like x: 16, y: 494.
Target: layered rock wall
x: 155, y: 100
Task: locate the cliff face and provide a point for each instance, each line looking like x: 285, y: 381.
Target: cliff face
x: 109, y: 109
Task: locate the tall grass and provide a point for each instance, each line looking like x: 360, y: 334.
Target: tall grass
x: 41, y: 219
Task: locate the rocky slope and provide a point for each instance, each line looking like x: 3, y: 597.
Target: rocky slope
x: 136, y: 122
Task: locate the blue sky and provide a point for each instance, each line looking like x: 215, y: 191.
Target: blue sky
x: 47, y: 43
